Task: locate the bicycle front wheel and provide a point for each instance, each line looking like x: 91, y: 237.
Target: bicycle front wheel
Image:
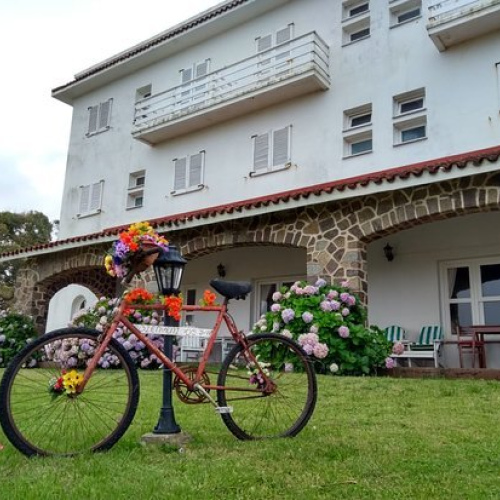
x: 254, y: 411
x: 42, y: 413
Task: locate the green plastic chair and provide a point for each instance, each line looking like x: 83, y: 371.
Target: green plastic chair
x: 395, y: 334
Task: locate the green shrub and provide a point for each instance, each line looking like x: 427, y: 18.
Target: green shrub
x: 329, y: 323
x: 16, y: 330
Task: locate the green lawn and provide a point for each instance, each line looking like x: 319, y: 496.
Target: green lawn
x: 370, y: 438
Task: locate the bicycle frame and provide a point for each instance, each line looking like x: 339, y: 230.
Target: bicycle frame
x: 120, y: 318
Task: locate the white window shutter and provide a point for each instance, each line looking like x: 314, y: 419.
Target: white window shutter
x: 186, y: 75
x: 261, y: 152
x: 281, y: 146
x: 264, y: 43
x: 95, y: 196
x: 104, y: 113
x: 202, y: 68
x: 93, y: 113
x: 195, y: 169
x: 180, y: 174
x: 84, y: 199
x: 284, y: 35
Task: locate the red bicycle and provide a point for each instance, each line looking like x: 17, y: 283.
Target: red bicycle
x: 60, y: 396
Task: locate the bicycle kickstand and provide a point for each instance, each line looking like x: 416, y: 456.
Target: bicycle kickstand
x: 218, y: 409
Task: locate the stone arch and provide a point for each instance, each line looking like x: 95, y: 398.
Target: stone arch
x: 340, y: 248
x: 277, y: 229
x: 43, y: 276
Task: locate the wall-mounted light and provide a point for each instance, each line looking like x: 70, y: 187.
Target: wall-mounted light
x: 389, y: 252
x: 221, y: 271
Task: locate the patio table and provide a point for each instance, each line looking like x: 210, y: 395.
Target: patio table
x: 482, y: 335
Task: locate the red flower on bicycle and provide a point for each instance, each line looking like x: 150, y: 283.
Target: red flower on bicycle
x: 174, y: 306
x: 208, y: 298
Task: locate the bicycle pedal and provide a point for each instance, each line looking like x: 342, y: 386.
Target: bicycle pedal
x: 224, y: 409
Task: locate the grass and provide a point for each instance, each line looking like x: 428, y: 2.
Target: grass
x: 370, y: 438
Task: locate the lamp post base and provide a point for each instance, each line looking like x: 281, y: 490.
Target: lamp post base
x: 166, y: 423
x: 178, y: 439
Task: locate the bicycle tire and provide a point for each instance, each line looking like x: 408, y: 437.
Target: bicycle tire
x: 39, y: 422
x: 257, y: 415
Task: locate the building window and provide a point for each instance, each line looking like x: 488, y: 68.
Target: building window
x: 136, y: 184
x: 471, y: 292
x: 143, y: 92
x: 99, y: 117
x: 408, y: 131
x: 405, y: 11
x: 355, y: 21
x: 409, y: 102
x: 410, y: 120
x: 280, y: 57
x: 271, y: 151
x: 90, y: 199
x: 193, y: 86
x: 190, y: 301
x: 265, y: 290
x: 188, y: 173
x: 353, y: 8
x: 413, y: 133
x: 357, y: 131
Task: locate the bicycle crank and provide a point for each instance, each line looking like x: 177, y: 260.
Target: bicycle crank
x: 191, y: 396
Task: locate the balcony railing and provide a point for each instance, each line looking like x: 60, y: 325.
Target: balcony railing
x: 455, y: 21
x: 295, y: 68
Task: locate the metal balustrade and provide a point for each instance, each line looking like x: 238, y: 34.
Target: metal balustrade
x: 452, y: 22
x: 285, y: 71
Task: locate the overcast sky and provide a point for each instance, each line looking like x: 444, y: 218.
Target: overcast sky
x: 43, y: 43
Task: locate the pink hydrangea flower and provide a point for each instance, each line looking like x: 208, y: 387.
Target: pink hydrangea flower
x: 320, y: 351
x: 308, y: 339
x: 307, y: 317
x: 275, y: 308
x: 389, y: 363
x: 308, y: 348
x: 344, y: 331
x: 287, y: 315
x: 398, y: 348
x: 335, y: 305
x: 326, y: 305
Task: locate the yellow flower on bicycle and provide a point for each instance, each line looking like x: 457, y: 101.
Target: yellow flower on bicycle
x: 71, y: 381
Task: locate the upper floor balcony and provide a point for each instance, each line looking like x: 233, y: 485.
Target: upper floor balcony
x: 297, y: 67
x: 454, y: 21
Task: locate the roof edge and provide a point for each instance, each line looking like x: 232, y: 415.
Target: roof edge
x: 444, y: 164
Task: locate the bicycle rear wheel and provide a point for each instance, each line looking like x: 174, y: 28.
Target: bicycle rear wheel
x: 257, y: 412
x: 41, y: 416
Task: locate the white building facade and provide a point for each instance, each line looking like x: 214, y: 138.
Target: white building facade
x: 290, y: 139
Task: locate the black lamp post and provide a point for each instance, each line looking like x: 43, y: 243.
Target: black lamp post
x: 168, y: 268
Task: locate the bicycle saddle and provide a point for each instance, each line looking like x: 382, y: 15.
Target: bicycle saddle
x: 232, y: 289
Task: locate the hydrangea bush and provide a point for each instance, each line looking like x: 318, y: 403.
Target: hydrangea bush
x: 16, y: 330
x: 329, y: 323
x: 99, y: 316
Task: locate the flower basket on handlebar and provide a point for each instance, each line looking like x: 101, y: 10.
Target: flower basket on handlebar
x: 135, y: 250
